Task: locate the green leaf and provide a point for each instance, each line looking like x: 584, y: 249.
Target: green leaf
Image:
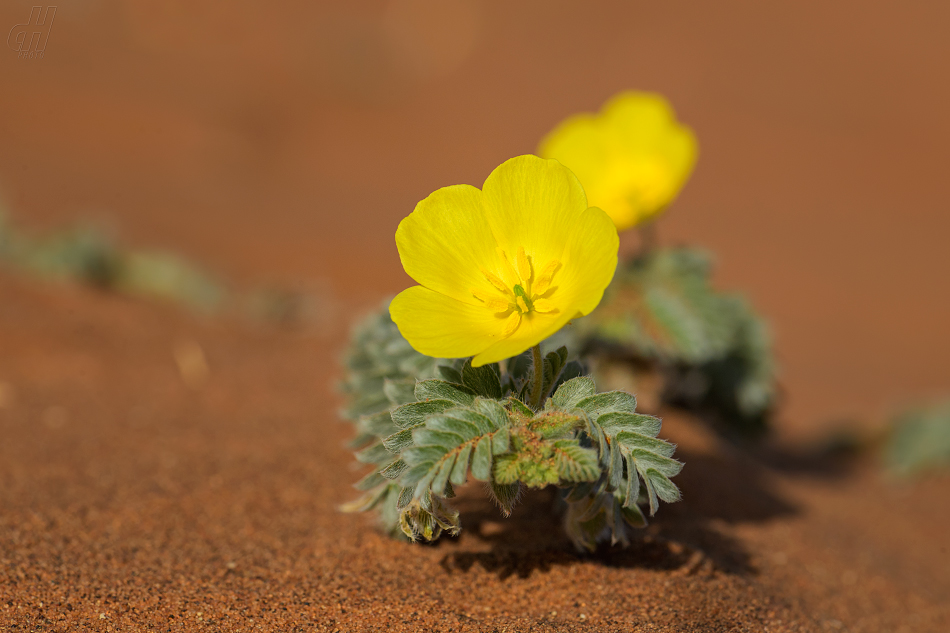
x: 482, y: 423
x: 494, y: 411
x: 573, y: 369
x: 460, y: 470
x: 450, y: 374
x: 608, y: 402
x: 375, y: 454
x: 405, y: 498
x: 553, y: 364
x: 505, y: 495
x: 423, y: 454
x: 575, y: 463
x: 370, y: 481
x: 482, y: 460
x: 613, y: 423
x: 631, y: 441
x: 394, y: 470
x: 446, y: 440
x: 553, y: 423
x: 365, y: 502
x: 484, y: 381
x: 441, y: 390
x: 499, y: 442
x: 570, y: 393
x: 414, y: 414
x: 646, y: 459
x: 445, y: 470
x: 633, y: 515
x: 399, y: 391
x: 379, y: 424
x: 507, y: 470
x: 665, y: 489
x: 615, y: 466
x: 399, y: 440
x: 422, y: 436
x: 520, y: 408
x: 452, y: 424
x: 632, y: 490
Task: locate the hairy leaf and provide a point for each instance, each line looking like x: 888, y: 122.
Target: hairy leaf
x: 442, y: 390
x: 484, y: 381
x: 414, y: 414
x: 572, y: 392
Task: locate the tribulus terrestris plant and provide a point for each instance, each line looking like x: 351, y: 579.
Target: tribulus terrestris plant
x: 500, y: 270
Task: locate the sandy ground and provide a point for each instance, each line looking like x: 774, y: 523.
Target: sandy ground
x: 286, y: 144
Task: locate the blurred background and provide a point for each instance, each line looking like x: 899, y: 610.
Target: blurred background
x: 286, y: 141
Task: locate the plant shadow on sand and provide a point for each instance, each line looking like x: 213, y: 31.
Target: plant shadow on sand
x: 682, y: 538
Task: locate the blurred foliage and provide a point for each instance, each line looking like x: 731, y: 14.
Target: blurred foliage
x: 87, y: 255
x: 713, y: 350
x: 378, y: 353
x: 919, y: 440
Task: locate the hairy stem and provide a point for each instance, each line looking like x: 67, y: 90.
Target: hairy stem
x: 537, y: 380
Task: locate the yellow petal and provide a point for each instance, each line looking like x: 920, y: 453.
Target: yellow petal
x: 640, y: 120
x: 587, y: 265
x: 440, y: 326
x: 632, y: 158
x: 532, y: 203
x: 534, y: 328
x: 445, y: 240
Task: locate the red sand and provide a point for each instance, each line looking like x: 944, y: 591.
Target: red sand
x: 281, y: 144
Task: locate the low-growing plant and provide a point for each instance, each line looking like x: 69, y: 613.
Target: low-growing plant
x: 476, y: 422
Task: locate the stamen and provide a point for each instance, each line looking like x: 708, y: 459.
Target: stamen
x: 494, y: 280
x: 521, y: 304
x: 495, y: 304
x: 511, y: 324
x: 524, y: 266
x: 544, y: 305
x: 509, y: 269
x: 547, y: 275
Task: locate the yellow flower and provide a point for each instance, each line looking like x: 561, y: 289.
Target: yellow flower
x: 632, y: 158
x: 504, y: 267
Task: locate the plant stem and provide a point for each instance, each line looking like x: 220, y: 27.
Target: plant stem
x: 537, y: 380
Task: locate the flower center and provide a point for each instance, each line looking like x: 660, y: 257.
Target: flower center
x: 519, y: 289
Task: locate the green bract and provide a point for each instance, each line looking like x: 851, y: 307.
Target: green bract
x: 473, y: 423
